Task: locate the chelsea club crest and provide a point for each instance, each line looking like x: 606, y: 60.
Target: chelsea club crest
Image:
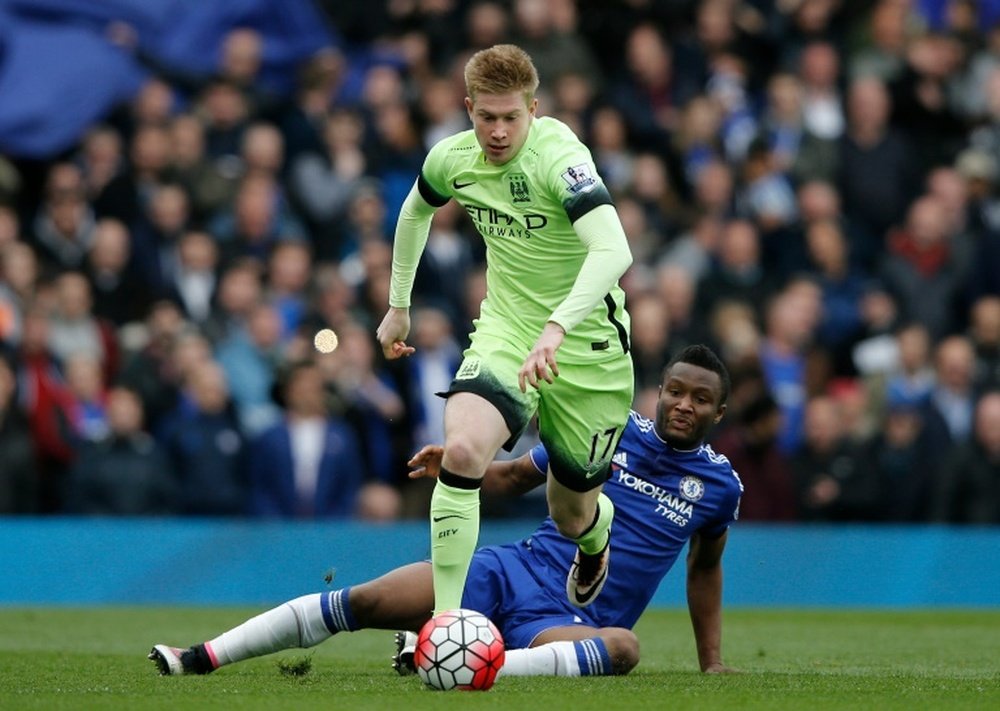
x: 692, y: 488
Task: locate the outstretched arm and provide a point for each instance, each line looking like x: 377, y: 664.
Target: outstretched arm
x: 704, y: 596
x: 505, y: 477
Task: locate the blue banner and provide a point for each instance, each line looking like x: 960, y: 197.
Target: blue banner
x: 55, y: 81
x: 61, y: 66
x: 92, y: 561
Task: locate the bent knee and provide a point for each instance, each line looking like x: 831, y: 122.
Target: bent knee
x: 464, y: 457
x: 570, y: 515
x: 569, y: 524
x: 623, y: 649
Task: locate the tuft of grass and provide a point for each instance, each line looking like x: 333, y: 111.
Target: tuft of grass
x: 295, y: 666
x: 94, y: 658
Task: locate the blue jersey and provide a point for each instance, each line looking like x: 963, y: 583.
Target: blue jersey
x: 662, y: 497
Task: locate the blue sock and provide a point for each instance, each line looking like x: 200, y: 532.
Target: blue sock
x: 337, y: 613
x: 593, y: 657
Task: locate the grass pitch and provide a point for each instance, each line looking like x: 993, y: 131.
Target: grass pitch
x: 58, y: 658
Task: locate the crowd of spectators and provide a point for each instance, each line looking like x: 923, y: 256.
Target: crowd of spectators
x: 809, y: 186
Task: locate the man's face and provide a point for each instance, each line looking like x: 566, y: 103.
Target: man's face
x: 124, y: 412
x: 305, y: 393
x: 501, y: 122
x: 688, y: 405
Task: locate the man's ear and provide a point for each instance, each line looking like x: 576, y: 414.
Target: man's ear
x: 720, y: 413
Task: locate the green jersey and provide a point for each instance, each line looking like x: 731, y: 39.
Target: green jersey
x: 525, y: 211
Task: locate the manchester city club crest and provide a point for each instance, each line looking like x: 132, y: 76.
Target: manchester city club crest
x: 692, y: 488
x: 518, y: 188
x: 469, y: 369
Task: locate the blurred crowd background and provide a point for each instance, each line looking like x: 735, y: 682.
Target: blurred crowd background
x: 190, y: 191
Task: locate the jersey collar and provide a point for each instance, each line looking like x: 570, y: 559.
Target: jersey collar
x: 675, y: 449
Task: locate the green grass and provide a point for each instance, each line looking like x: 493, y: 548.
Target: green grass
x: 791, y: 659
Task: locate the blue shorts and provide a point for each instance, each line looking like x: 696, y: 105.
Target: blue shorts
x: 502, y: 586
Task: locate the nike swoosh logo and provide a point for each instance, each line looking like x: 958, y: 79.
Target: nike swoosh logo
x: 585, y: 599
x: 436, y: 519
x: 458, y: 186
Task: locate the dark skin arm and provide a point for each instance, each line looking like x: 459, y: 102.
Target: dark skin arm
x: 704, y: 596
x: 507, y: 478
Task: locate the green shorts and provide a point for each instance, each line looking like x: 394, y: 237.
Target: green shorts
x: 580, y: 416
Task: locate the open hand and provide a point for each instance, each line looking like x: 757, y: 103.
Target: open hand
x: 426, y: 462
x: 541, y: 361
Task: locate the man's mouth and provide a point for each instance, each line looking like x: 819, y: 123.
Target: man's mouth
x: 679, y: 423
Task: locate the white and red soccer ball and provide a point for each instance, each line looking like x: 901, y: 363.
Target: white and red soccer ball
x: 459, y: 649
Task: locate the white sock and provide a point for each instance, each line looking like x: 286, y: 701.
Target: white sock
x: 586, y: 657
x: 297, y: 623
x: 552, y: 659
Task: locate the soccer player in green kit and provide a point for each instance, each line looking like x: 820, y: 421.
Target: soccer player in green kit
x: 552, y: 337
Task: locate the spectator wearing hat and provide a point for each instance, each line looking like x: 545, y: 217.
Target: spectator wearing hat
x: 901, y: 460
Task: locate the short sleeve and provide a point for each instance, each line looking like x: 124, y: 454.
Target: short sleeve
x: 728, y: 513
x: 572, y: 176
x: 539, y: 458
x: 433, y: 179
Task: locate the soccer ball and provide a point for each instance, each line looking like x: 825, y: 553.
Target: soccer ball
x: 459, y: 649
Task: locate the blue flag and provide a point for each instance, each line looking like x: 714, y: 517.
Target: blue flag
x: 55, y: 81
x: 60, y: 71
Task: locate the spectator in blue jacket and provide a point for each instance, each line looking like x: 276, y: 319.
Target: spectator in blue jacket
x: 207, y: 447
x: 308, y: 465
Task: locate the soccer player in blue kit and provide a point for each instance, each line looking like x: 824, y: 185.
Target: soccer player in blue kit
x: 668, y: 487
